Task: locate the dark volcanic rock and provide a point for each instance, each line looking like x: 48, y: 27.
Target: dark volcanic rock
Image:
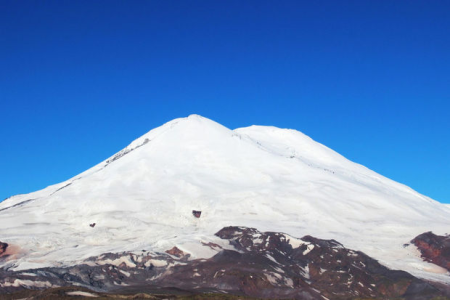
x: 326, y: 265
x: 263, y: 264
x: 434, y: 248
x: 3, y: 247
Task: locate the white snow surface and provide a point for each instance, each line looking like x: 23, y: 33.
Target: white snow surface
x: 83, y: 294
x: 264, y: 177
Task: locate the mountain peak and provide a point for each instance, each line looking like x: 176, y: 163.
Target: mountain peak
x: 196, y: 117
x: 262, y: 177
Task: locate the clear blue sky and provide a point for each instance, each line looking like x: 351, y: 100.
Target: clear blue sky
x: 79, y: 80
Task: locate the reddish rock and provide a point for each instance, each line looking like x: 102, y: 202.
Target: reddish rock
x: 176, y: 252
x: 434, y: 248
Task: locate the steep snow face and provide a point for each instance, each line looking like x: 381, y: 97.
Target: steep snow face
x: 264, y: 177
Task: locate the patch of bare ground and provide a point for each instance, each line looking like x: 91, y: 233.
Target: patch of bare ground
x: 65, y: 293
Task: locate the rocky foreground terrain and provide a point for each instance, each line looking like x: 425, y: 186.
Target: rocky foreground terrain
x: 262, y: 265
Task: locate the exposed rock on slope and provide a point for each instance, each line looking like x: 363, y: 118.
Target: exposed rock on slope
x: 176, y: 252
x: 3, y: 247
x: 262, y: 264
x: 434, y: 248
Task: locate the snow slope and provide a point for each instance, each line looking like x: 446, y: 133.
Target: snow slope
x: 264, y: 177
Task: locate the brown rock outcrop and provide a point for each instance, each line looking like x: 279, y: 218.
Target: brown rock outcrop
x: 176, y: 252
x: 434, y: 248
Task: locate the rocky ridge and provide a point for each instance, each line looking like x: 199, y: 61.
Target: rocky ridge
x: 262, y: 264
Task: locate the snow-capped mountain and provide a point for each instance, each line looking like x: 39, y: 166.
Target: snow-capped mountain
x: 263, y: 177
